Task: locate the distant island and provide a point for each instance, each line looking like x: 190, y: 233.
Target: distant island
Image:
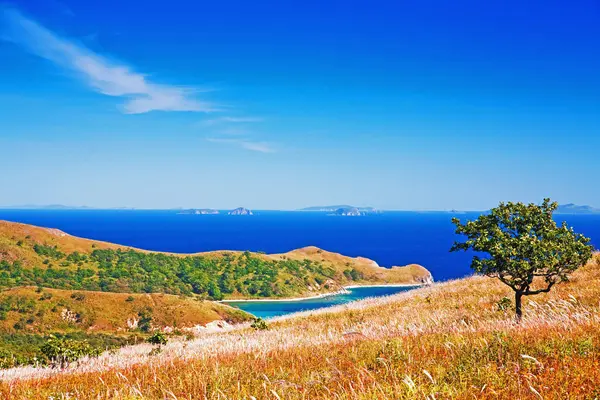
x: 349, y: 212
x: 571, y: 208
x: 335, y: 209
x: 202, y: 211
x: 240, y: 211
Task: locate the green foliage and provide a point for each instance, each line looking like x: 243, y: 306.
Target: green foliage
x: 20, y: 324
x: 20, y: 304
x: 129, y: 299
x: 134, y: 271
x: 46, y: 296
x: 146, y: 318
x: 527, y: 250
x: 78, y: 296
x: 76, y: 257
x: 24, y: 348
x: 504, y: 304
x: 157, y: 338
x: 353, y: 274
x: 259, y: 324
x: 155, y: 351
x: 48, y: 251
x: 61, y: 351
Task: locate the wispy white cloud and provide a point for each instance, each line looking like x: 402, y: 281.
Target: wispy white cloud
x: 233, y: 131
x: 262, y: 147
x: 103, y: 75
x: 223, y: 120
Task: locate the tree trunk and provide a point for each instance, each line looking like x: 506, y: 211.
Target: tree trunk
x: 518, y: 306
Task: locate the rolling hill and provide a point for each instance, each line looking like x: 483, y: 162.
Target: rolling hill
x: 34, y: 256
x: 454, y: 340
x: 111, y: 295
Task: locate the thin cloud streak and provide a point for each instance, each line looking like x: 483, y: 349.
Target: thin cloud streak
x: 233, y: 132
x: 222, y: 120
x: 261, y: 147
x: 101, y: 74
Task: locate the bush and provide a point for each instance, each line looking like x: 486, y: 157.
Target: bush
x: 61, y: 352
x: 259, y: 324
x: 46, y: 296
x: 130, y: 299
x: 20, y: 324
x: 146, y: 318
x: 78, y: 296
x: 158, y: 338
x: 48, y: 251
x: 504, y: 304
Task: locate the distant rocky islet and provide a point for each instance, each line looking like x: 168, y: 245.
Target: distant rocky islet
x: 210, y: 211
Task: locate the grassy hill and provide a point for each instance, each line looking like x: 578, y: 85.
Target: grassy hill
x: 451, y: 340
x: 28, y: 316
x: 51, y: 258
x: 111, y: 295
x: 31, y: 310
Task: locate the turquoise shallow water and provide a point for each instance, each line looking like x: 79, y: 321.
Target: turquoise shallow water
x: 269, y: 309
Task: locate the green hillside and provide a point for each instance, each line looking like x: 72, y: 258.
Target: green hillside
x: 33, y: 256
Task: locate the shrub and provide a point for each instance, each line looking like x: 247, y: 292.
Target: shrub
x: 48, y: 251
x: 46, y: 296
x: 155, y: 351
x: 78, y: 296
x: 259, y: 324
x: 146, y: 318
x: 61, y: 352
x: 158, y: 338
x: 130, y: 299
x: 20, y: 324
x: 504, y: 304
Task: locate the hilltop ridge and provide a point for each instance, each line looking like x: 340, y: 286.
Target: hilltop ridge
x: 86, y: 264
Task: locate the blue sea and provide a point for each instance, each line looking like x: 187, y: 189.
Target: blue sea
x: 389, y: 238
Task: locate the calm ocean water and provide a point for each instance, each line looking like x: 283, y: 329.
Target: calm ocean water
x: 268, y: 309
x: 391, y: 238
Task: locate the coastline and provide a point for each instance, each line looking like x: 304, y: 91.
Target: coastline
x: 322, y: 295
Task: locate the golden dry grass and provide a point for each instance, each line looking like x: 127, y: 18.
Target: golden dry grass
x: 110, y: 312
x: 372, y: 272
x: 445, y: 341
x: 12, y: 233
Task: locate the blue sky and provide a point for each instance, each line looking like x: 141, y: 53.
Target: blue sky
x: 398, y: 105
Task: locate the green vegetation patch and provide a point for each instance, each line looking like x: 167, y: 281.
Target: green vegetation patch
x: 133, y: 271
x: 26, y: 348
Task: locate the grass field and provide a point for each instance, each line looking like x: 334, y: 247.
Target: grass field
x: 450, y: 340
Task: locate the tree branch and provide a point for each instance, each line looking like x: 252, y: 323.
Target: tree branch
x: 546, y: 290
x: 507, y: 283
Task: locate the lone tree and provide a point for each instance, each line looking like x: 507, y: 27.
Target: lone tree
x: 527, y: 250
